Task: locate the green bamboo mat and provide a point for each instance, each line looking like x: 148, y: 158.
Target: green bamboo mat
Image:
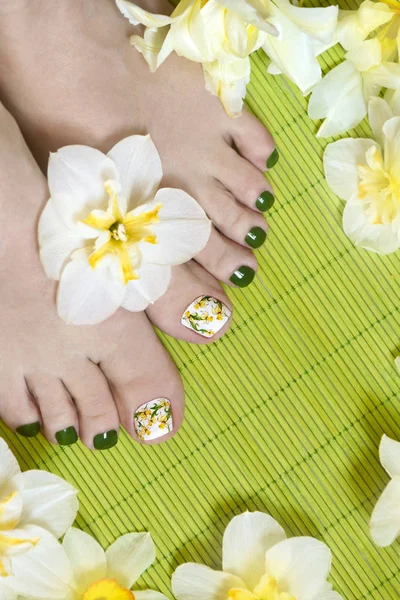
x: 285, y: 413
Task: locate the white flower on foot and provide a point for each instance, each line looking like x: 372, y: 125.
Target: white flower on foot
x: 221, y: 35
x: 109, y: 235
x: 366, y: 173
x: 36, y: 507
x: 385, y: 519
x: 260, y: 563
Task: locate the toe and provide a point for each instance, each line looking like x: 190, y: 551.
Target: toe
x: 195, y: 307
x: 97, y: 413
x: 146, y: 386
x: 18, y: 409
x: 253, y: 141
x: 227, y: 261
x: 245, y: 182
x: 59, y: 416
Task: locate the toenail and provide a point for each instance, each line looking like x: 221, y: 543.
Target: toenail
x: 273, y: 159
x: 265, y: 201
x: 29, y: 430
x: 104, y: 441
x: 243, y: 276
x: 206, y: 316
x: 67, y: 437
x: 256, y: 237
x: 153, y: 419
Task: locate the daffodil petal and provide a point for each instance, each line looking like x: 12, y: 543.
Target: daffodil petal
x: 341, y: 160
x: 137, y: 15
x: 293, y: 560
x: 379, y: 112
x: 198, y: 582
x: 392, y: 97
x: 391, y: 133
x: 139, y: 167
x: 88, y: 296
x: 358, y: 228
x: 43, y: 572
x: 389, y: 455
x: 76, y: 176
x: 149, y: 595
x: 252, y: 11
x: 366, y: 55
x: 228, y: 82
x: 246, y: 540
x: 191, y: 46
x: 48, y: 501
x: 318, y: 23
x: 6, y: 593
x: 155, y: 45
x: 9, y: 466
x: 338, y: 97
x: 129, y: 557
x: 152, y: 284
x: 386, y: 75
x: 87, y: 558
x: 385, y: 519
x: 355, y: 26
x: 11, y: 505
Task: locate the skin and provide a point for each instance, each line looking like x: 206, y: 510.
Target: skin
x: 74, y: 63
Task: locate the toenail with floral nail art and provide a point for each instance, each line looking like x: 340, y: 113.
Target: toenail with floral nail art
x: 206, y: 316
x: 153, y: 419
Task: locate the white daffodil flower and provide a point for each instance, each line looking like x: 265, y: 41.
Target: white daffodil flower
x: 259, y: 563
x: 109, y: 235
x: 385, y: 519
x: 221, y: 35
x: 341, y: 98
x: 36, y: 507
x: 94, y: 574
x: 366, y: 173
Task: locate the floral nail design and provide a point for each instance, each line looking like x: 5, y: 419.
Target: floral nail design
x: 206, y: 315
x: 153, y: 419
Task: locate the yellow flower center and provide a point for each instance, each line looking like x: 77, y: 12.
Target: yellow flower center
x: 380, y: 189
x: 266, y: 589
x: 107, y: 589
x: 125, y: 233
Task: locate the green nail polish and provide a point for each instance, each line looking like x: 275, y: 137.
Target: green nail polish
x: 243, y: 276
x: 273, y: 159
x: 104, y: 441
x: 67, y: 437
x: 265, y: 201
x: 256, y: 237
x: 29, y: 430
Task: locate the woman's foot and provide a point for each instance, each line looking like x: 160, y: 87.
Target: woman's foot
x: 78, y: 381
x: 69, y: 75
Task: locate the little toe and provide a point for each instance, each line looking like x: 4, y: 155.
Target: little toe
x: 18, y: 409
x: 59, y: 416
x: 227, y: 261
x: 97, y: 413
x: 254, y: 142
x: 195, y: 307
x: 146, y: 386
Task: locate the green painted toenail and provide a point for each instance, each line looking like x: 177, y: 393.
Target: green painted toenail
x: 273, y: 159
x: 243, y: 276
x: 67, y: 437
x: 29, y: 430
x: 104, y: 441
x: 256, y: 237
x: 265, y: 201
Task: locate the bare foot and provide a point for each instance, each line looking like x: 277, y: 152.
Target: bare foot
x: 69, y: 75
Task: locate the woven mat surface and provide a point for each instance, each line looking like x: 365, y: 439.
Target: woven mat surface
x: 285, y: 413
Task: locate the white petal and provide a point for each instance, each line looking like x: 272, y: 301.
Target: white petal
x: 155, y: 45
x: 49, y: 501
x: 372, y: 15
x: 378, y: 113
x: 357, y: 227
x: 366, y: 55
x: 355, y: 26
x: 10, y: 512
x: 88, y: 296
x: 193, y: 47
x: 300, y: 565
x: 253, y: 12
x: 152, y: 284
x: 198, y: 582
x: 149, y: 595
x: 87, y: 558
x: 389, y: 455
x: 137, y: 15
x: 341, y: 159
x: 391, y: 133
x: 139, y: 168
x: 182, y: 232
x: 228, y: 82
x: 385, y: 75
x: 318, y: 23
x: 129, y: 557
x: 385, y: 519
x: 6, y: 593
x: 8, y: 463
x: 338, y: 97
x: 392, y: 97
x: 43, y: 572
x: 76, y: 176
x: 246, y: 540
